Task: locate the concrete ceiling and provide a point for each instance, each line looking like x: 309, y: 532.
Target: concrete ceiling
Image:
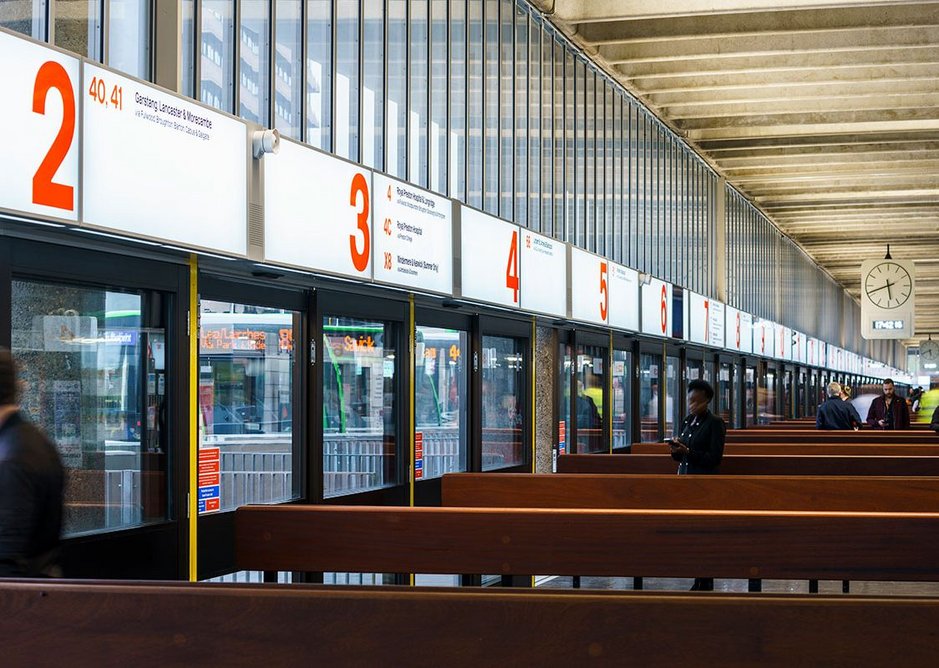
x: 825, y: 113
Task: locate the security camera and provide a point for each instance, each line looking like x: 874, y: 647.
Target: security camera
x: 265, y: 141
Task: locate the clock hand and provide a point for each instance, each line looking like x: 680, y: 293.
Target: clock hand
x: 880, y: 288
x: 889, y: 296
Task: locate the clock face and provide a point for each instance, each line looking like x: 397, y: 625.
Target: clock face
x: 888, y: 285
x: 929, y: 351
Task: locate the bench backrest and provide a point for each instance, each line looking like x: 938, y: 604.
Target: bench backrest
x: 653, y: 543
x: 758, y: 465
x: 467, y: 628
x: 808, y: 448
x: 816, y: 493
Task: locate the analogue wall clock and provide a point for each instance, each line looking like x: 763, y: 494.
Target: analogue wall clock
x: 929, y: 351
x: 888, y: 285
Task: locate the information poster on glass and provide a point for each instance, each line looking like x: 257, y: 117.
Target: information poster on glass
x: 716, y: 323
x: 160, y: 166
x: 413, y: 238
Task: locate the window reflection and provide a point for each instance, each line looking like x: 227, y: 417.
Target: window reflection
x: 503, y: 402
x: 78, y: 27
x: 129, y: 37
x: 359, y: 425
x: 440, y: 398
x: 671, y: 393
x: 95, y: 378
x: 622, y: 398
x: 749, y: 379
x: 649, y: 396
x: 216, y: 66
x: 591, y: 383
x: 24, y: 16
x: 318, y: 69
x: 396, y: 133
x: 287, y: 69
x: 373, y: 87
x: 725, y: 392
x: 564, y: 400
x: 254, y: 56
x: 246, y: 391
x: 346, y: 120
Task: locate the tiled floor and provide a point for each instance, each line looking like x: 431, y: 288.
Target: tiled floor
x: 777, y: 586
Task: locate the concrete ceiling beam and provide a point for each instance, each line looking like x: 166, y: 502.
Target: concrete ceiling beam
x: 819, y: 104
x: 868, y: 167
x: 727, y: 24
x: 810, y: 130
x: 716, y: 48
x: 811, y: 118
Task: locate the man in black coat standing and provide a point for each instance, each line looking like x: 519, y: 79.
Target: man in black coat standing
x: 699, y: 447
x: 31, y: 483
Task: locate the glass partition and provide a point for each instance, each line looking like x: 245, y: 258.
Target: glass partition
x: 649, y: 396
x: 246, y: 394
x: 440, y: 400
x: 564, y: 397
x: 359, y: 405
x: 503, y: 402
x: 94, y: 377
x: 672, y: 394
x: 591, y: 388
x: 749, y: 390
x: 725, y: 383
x: 622, y: 398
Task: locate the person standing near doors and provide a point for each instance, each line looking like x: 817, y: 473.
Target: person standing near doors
x: 888, y: 411
x: 31, y: 488
x: 699, y: 447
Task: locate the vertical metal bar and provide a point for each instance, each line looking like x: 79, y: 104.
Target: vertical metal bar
x: 304, y: 54
x: 236, y: 58
x: 360, y: 86
x: 272, y: 66
x: 104, y: 19
x: 197, y: 51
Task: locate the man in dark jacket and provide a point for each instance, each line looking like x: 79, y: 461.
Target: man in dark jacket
x: 699, y: 447
x: 889, y: 411
x: 31, y: 483
x: 836, y: 413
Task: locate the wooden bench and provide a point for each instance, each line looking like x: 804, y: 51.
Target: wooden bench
x: 656, y: 543
x: 179, y: 624
x: 839, y: 436
x: 808, y: 448
x: 732, y: 464
x: 699, y: 492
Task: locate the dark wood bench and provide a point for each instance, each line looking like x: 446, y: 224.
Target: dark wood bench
x: 835, y: 436
x: 181, y: 624
x: 700, y: 492
x: 732, y: 464
x: 656, y: 543
x: 807, y: 448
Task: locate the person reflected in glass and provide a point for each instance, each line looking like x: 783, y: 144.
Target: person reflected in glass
x: 699, y: 447
x: 31, y: 488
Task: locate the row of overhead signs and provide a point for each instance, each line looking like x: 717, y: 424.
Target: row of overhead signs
x: 95, y: 149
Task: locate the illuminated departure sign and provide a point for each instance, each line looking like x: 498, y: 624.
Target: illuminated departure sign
x: 543, y: 274
x: 413, y: 236
x: 656, y: 307
x: 40, y: 115
x: 317, y: 212
x: 158, y: 166
x: 590, y: 287
x: 489, y: 256
x: 624, y: 297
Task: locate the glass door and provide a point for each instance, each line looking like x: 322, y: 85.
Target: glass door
x: 363, y: 385
x: 504, y: 395
x: 442, y: 415
x: 750, y: 393
x: 724, y: 390
x: 767, y: 394
x: 591, y: 375
x: 650, y: 397
x: 622, y: 405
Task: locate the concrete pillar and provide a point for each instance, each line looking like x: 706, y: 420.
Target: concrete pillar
x: 167, y: 45
x: 546, y: 364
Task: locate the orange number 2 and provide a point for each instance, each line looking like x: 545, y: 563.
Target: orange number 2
x: 45, y: 191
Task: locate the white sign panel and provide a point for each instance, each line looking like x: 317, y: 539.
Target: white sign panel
x: 317, y: 212
x: 764, y: 337
x: 39, y: 114
x: 158, y: 166
x: 822, y: 353
x: 544, y: 274
x: 738, y: 334
x: 413, y: 238
x: 624, y: 297
x: 696, y: 326
x: 811, y: 351
x: 783, y: 342
x: 590, y: 287
x: 716, y: 323
x: 489, y: 254
x: 657, y: 308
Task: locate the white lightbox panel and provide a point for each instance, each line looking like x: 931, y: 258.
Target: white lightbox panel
x: 162, y: 167
x: 590, y: 287
x: 657, y: 308
x: 544, y: 274
x: 489, y: 255
x: 624, y: 297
